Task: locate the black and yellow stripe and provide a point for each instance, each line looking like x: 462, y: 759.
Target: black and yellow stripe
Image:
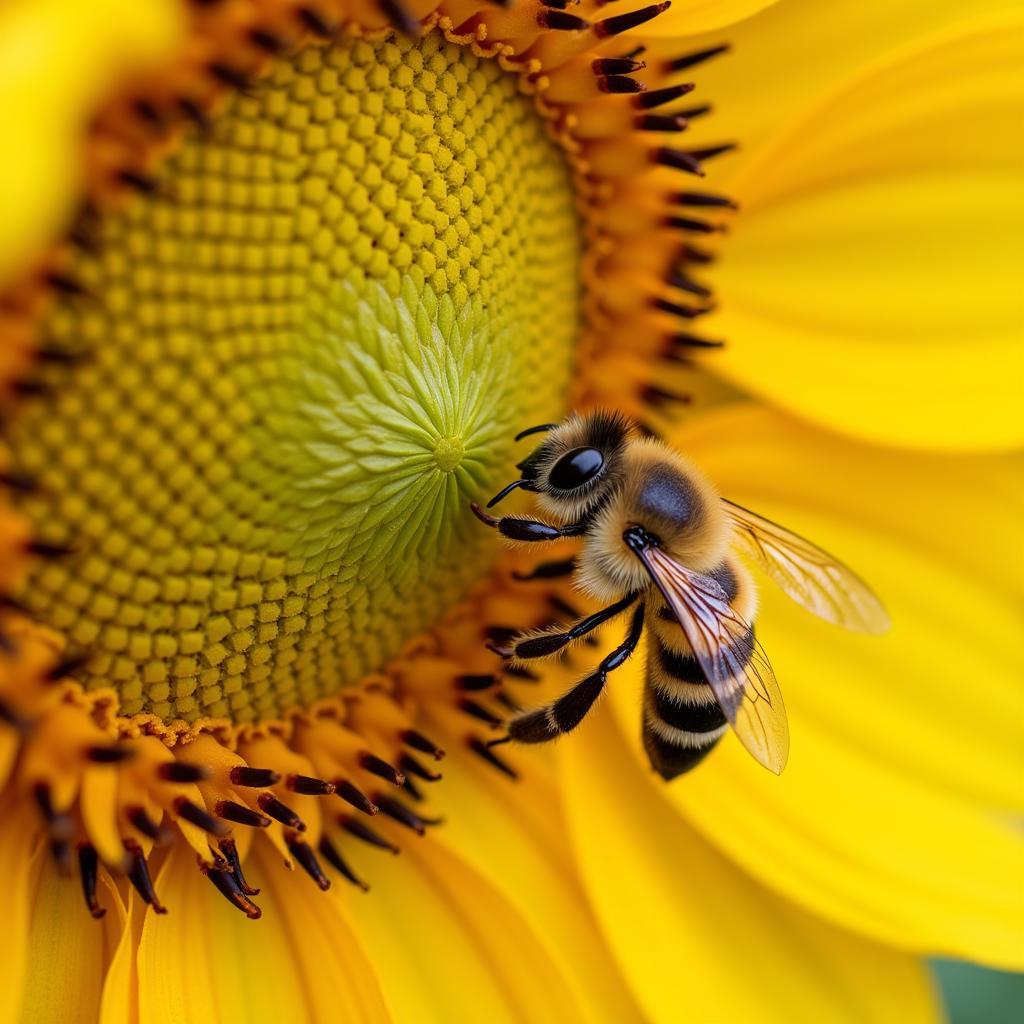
x: 682, y: 720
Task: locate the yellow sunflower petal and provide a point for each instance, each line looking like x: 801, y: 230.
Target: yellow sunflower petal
x: 869, y: 282
x: 447, y: 945
x: 894, y: 814
x: 58, y: 59
x: 227, y: 968
x: 799, y: 51
x: 16, y: 839
x: 68, y: 951
x: 514, y: 834
x: 690, y: 17
x: 699, y: 938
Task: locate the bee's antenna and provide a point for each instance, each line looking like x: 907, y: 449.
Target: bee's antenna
x: 504, y: 491
x: 539, y: 429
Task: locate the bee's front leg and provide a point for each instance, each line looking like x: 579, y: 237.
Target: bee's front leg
x: 517, y: 528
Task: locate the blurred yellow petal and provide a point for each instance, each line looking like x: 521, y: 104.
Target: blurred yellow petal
x: 690, y: 17
x: 894, y: 816
x: 869, y: 283
x: 700, y: 939
x: 16, y: 840
x: 301, y: 962
x: 514, y: 834
x: 68, y: 952
x: 784, y: 60
x: 58, y: 60
x: 447, y: 945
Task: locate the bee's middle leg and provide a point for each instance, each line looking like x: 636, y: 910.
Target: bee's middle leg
x: 565, y: 713
x: 543, y: 645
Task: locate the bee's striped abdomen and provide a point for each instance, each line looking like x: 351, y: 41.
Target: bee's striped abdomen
x: 682, y: 718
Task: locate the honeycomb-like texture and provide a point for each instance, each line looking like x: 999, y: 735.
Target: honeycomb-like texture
x: 304, y: 356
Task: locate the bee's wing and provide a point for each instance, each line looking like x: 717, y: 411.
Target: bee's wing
x: 734, y: 664
x: 809, y: 575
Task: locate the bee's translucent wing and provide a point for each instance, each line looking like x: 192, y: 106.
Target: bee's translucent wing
x: 809, y: 575
x: 734, y: 664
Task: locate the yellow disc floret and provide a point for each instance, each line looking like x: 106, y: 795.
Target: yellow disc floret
x: 302, y: 355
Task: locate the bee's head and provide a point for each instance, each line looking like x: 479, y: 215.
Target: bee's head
x: 578, y: 464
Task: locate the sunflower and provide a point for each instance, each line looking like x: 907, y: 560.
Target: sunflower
x: 282, y: 280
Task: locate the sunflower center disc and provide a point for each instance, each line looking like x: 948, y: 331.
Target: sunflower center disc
x: 303, y: 356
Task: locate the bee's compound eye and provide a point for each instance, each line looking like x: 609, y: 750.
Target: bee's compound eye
x: 575, y: 468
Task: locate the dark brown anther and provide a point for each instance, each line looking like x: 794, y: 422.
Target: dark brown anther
x: 397, y: 811
x: 195, y: 814
x: 138, y: 875
x: 304, y: 854
x: 254, y: 778
x: 658, y: 396
x: 620, y: 85
x: 314, y: 22
x: 413, y: 767
x: 234, y: 865
x: 605, y: 67
x: 229, y: 887
x: 712, y: 151
x: 689, y: 60
x: 59, y: 825
x: 231, y: 810
x: 46, y: 549
x: 379, y: 767
x: 679, y: 159
x: 67, y: 666
x: 684, y: 284
x: 475, y: 682
x: 58, y: 356
x: 691, y: 254
x: 501, y: 636
x: 194, y: 113
x: 356, y: 828
x: 479, y: 712
x: 88, y: 868
x: 559, y: 5
x: 624, y: 22
x: 508, y: 702
x: 686, y: 340
x: 11, y: 717
x: 703, y: 199
x: 686, y: 312
x: 229, y: 76
x: 483, y: 750
x: 269, y: 804
x: 143, y: 823
x: 147, y: 112
x: 692, y: 113
x: 400, y: 16
x: 659, y: 97
x: 560, y: 21
x: 660, y: 123
x: 308, y: 786
x: 689, y: 224
x: 137, y: 180
x: 412, y: 789
x: 114, y: 754
x: 329, y: 852
x: 266, y: 41
x: 23, y: 483
x: 182, y: 772
x: 355, y: 796
x: 64, y: 284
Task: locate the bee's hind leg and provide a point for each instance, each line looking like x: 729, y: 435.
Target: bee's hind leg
x: 565, y: 713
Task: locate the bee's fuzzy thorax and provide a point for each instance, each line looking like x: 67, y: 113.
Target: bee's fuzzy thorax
x: 663, y: 492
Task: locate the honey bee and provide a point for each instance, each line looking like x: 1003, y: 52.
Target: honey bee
x: 657, y: 539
